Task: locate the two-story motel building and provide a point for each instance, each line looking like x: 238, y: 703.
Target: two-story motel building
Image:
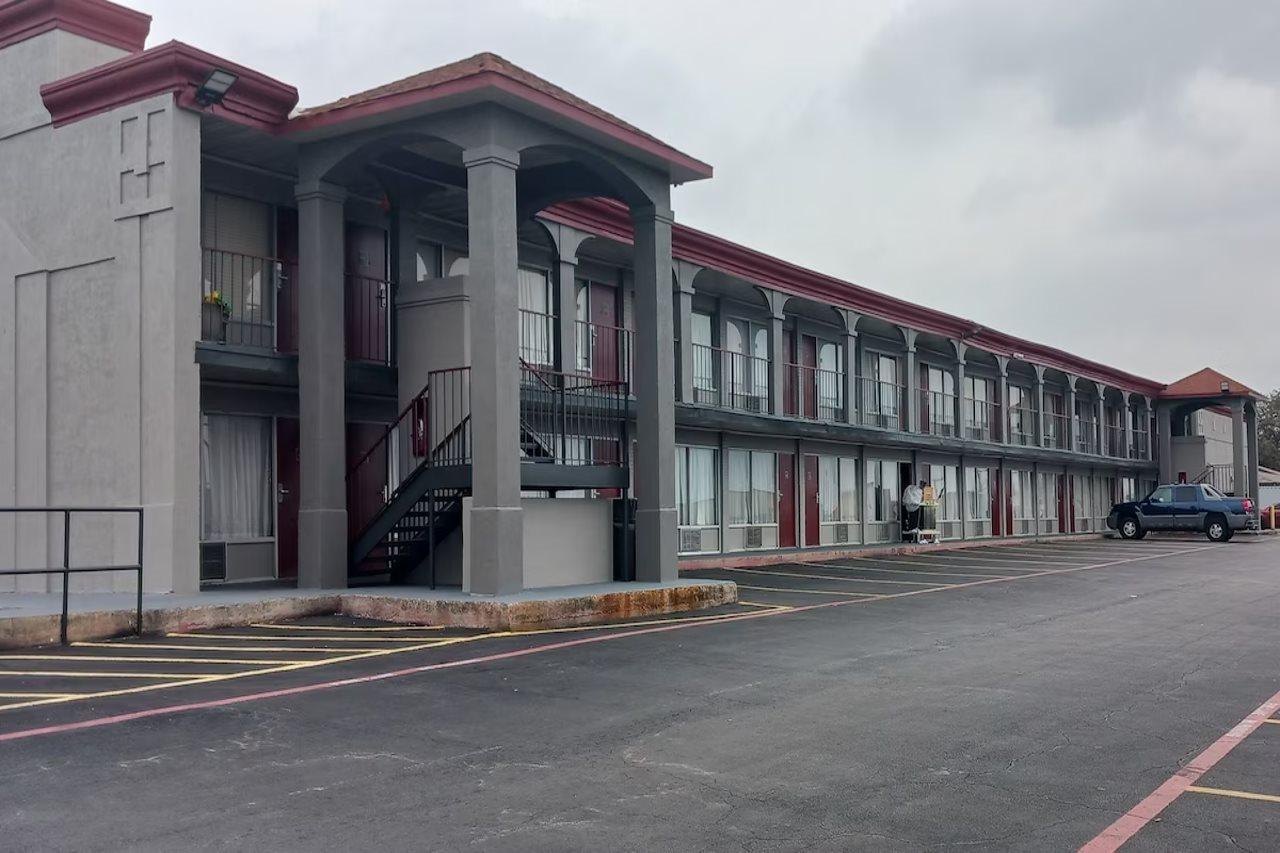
x: 433, y: 332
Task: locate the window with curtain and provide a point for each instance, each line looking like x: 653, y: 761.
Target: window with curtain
x: 696, y: 492
x: 1048, y: 495
x: 883, y: 490
x: 236, y: 493
x: 1022, y: 494
x: 977, y: 484
x: 946, y: 491
x: 830, y: 378
x: 704, y: 369
x: 837, y: 490
x: 751, y: 487
x: 748, y: 345
x: 884, y: 370
x: 537, y: 325
x: 236, y: 234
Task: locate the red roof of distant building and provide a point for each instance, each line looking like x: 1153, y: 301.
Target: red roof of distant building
x: 1208, y: 383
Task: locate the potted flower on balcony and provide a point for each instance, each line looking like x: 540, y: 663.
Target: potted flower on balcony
x: 213, y: 317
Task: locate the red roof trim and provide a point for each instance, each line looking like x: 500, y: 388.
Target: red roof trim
x: 98, y: 20
x: 1207, y: 382
x: 610, y: 219
x: 491, y: 79
x: 255, y: 100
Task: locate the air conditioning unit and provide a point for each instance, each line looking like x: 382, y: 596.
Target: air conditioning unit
x: 840, y: 533
x: 213, y: 561
x: 754, y: 537
x: 690, y: 540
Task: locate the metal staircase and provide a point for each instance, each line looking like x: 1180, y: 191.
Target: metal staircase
x: 1221, y: 477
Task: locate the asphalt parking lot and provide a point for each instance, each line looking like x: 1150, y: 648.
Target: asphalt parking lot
x: 1029, y: 697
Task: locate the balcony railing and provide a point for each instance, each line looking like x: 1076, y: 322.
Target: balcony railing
x: 537, y: 338
x: 1139, y: 445
x: 937, y: 413
x: 368, y: 318
x: 1114, y: 438
x: 238, y: 298
x: 1055, y: 431
x: 814, y: 393
x: 571, y: 419
x: 731, y: 379
x: 1087, y: 437
x: 603, y: 351
x: 981, y: 417
x: 1022, y: 427
x: 883, y: 404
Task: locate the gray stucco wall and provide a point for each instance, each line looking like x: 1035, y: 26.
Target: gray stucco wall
x: 99, y: 393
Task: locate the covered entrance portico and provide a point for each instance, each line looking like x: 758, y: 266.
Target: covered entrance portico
x: 491, y: 145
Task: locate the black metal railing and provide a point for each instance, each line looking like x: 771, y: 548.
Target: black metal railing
x: 67, y: 570
x: 883, y: 404
x: 981, y: 419
x: 238, y: 298
x: 1086, y: 436
x: 571, y: 419
x: 368, y: 318
x: 706, y: 374
x: 1022, y: 426
x: 937, y: 413
x: 537, y: 337
x: 434, y: 429
x: 1139, y: 444
x: 814, y: 393
x: 604, y: 351
x: 1055, y: 430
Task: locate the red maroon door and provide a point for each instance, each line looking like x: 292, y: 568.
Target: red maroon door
x: 286, y: 296
x: 367, y: 293
x: 366, y: 488
x: 786, y: 500
x: 812, y: 528
x: 288, y: 495
x: 808, y: 379
x: 607, y: 346
x: 996, y: 476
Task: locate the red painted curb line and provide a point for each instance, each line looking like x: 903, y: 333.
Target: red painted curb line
x: 1132, y: 821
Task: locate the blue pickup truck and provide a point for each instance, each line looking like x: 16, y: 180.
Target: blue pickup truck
x: 1189, y: 507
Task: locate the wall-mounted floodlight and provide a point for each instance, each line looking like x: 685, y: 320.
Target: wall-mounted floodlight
x: 1225, y: 386
x: 215, y: 87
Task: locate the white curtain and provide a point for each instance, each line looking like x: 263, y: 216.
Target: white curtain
x: 702, y: 487
x: 764, y: 488
x: 828, y: 488
x: 739, y: 486
x: 235, y: 478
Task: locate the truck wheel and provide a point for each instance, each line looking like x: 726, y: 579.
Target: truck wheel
x: 1130, y: 528
x: 1216, y: 529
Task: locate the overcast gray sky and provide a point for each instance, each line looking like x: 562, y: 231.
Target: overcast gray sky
x: 1100, y: 175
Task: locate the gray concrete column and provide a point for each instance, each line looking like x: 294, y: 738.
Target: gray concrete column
x: 962, y: 350
x: 495, y: 535
x: 1002, y: 363
x: 654, y: 383
x: 685, y: 273
x: 1164, y: 433
x: 1126, y: 426
x: 1238, y: 450
x: 566, y: 357
x: 1100, y: 418
x: 912, y: 381
x: 777, y: 358
x: 322, y: 507
x: 1147, y: 413
x: 1039, y: 421
x: 1069, y: 401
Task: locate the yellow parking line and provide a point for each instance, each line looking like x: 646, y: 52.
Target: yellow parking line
x: 765, y: 606
x: 206, y: 679
x: 361, y: 628
x: 906, y: 562
x: 35, y: 695
x: 829, y: 577
x: 59, y: 673
x: 1240, y: 795
x: 845, y: 593
x: 279, y: 639
x: 128, y: 659
x: 1272, y: 722
x: 197, y: 648
x: 898, y: 571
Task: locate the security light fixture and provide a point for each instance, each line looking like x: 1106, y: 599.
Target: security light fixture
x: 215, y: 87
x: 1225, y: 386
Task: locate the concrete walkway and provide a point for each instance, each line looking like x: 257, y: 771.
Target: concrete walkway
x: 30, y: 619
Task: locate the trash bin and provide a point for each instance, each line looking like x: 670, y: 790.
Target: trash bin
x: 624, y: 539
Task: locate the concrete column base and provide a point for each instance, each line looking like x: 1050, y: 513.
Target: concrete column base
x: 322, y: 548
x: 656, y: 544
x: 494, y: 540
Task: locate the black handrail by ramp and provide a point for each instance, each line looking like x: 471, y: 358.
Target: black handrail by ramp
x: 66, y: 570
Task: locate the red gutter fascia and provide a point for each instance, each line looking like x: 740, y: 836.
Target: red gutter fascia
x: 107, y: 23
x: 610, y: 219
x: 255, y: 100
x: 494, y: 80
